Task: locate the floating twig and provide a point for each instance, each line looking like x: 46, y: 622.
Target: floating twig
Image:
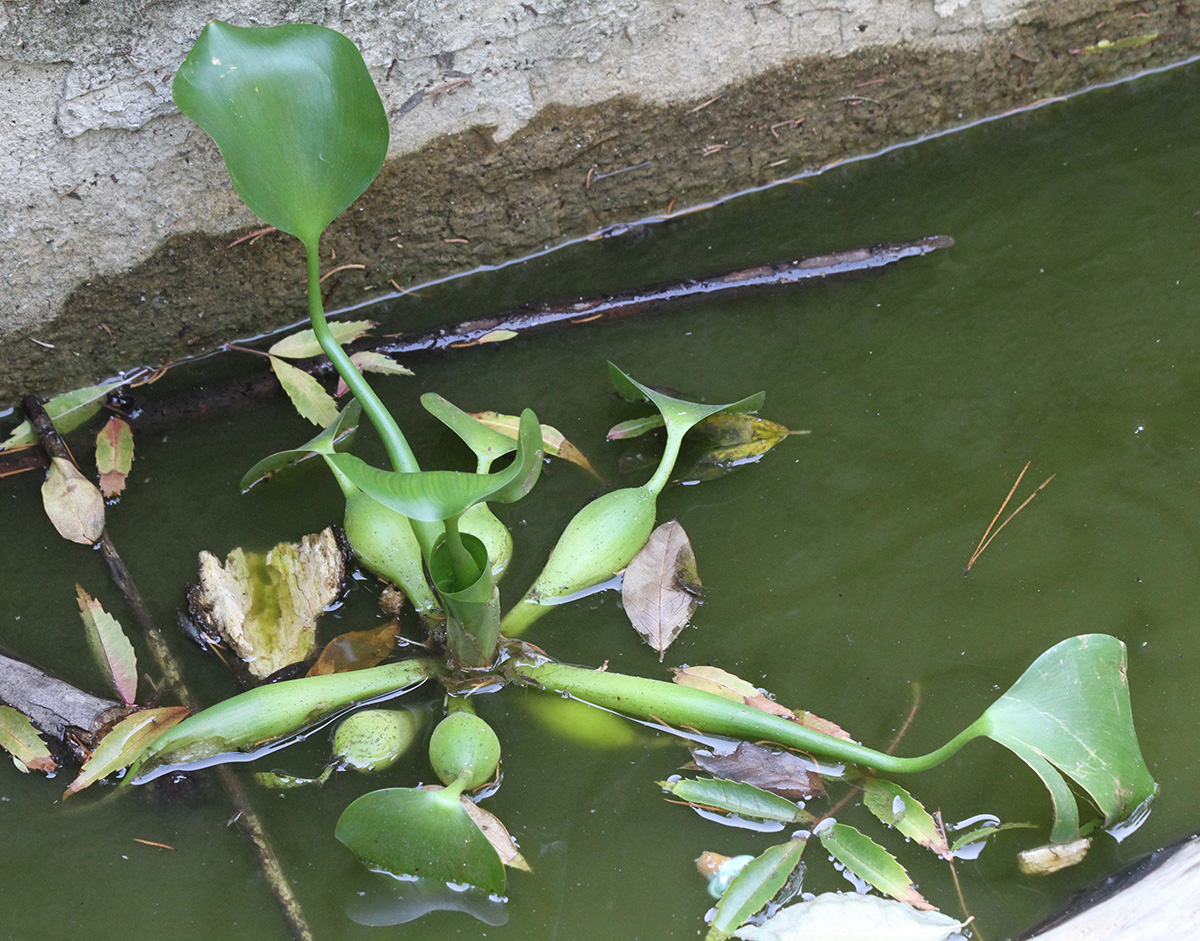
x: 989, y: 534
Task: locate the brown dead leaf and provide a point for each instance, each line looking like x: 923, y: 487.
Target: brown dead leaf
x: 496, y: 833
x: 357, y: 650
x: 771, y: 769
x: 661, y: 588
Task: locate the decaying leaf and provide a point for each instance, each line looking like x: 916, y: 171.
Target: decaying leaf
x: 307, y: 395
x: 897, y: 808
x: 109, y: 645
x: 68, y: 411
x: 847, y: 916
x: 303, y: 343
x: 497, y: 834
x: 869, y: 861
x: 127, y: 740
x: 114, y: 456
x: 723, y: 683
x: 661, y: 588
x: 554, y: 440
x: 370, y: 361
x: 357, y: 650
x: 20, y: 739
x: 265, y: 607
x: 728, y: 440
x: 73, y: 503
x: 771, y: 769
x: 1044, y: 860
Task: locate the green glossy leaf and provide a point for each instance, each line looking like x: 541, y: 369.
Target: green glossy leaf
x: 472, y: 610
x: 295, y: 114
x: 432, y: 496
x: 20, y: 739
x: 114, y: 456
x: 1070, y: 711
x: 869, y: 861
x: 307, y: 394
x: 425, y: 833
x: 68, y: 411
x: 109, y: 645
x: 897, y: 808
x: 303, y: 343
x: 555, y: 441
x: 634, y: 427
x: 676, y: 411
x: 978, y: 834
x: 847, y: 916
x: 486, y: 442
x: 335, y: 436
x: 735, y: 797
x: 480, y: 522
x: 754, y: 887
x: 126, y: 742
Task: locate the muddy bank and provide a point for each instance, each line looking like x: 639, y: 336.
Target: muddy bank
x: 477, y: 196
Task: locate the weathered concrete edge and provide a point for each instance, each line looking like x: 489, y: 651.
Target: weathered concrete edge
x: 467, y: 199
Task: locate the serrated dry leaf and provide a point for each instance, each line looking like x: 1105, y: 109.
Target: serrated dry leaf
x: 369, y: 361
x: 73, y: 503
x: 771, y: 769
x: 497, y: 834
x: 303, y: 343
x: 114, y: 456
x: 110, y: 646
x: 661, y: 588
x: 307, y: 395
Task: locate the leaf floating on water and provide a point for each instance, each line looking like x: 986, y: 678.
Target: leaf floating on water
x: 68, y: 411
x: 357, y: 650
x: 555, y: 441
x: 114, y: 456
x: 282, y: 781
x: 303, y: 343
x: 752, y: 888
x: 897, y: 808
x: 733, y: 797
x: 661, y: 587
x: 125, y: 743
x: 844, y: 916
x: 307, y: 395
x: 728, y: 440
x: 870, y: 862
x: 73, y: 503
x: 109, y: 645
x: 20, y: 739
x: 771, y: 769
x: 265, y: 607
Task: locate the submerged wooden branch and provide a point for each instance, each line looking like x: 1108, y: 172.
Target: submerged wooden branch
x: 246, y: 816
x: 53, y: 705
x: 150, y: 416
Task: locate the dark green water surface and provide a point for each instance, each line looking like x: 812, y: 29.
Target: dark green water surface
x: 1062, y: 329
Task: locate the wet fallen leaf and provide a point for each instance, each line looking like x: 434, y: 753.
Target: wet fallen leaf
x: 771, y: 769
x: 1053, y: 857
x: 357, y: 650
x: 556, y: 443
x: 661, y: 587
x: 68, y: 411
x: 127, y: 740
x: 847, y: 916
x: 869, y: 861
x: 307, y: 395
x: 73, y: 503
x: 20, y: 739
x: 114, y: 456
x: 109, y: 645
x: 634, y: 427
x: 303, y: 343
x: 265, y: 607
x: 897, y: 808
x: 733, y: 797
x: 754, y: 886
x: 497, y: 834
x: 282, y: 781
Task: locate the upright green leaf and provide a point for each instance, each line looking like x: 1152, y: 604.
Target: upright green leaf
x: 295, y: 114
x: 334, y: 436
x: 307, y: 394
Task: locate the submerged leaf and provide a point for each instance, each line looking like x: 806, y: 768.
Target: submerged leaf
x: 771, y: 769
x: 869, y: 861
x: 68, y: 411
x: 303, y: 343
x: 20, y: 739
x: 357, y: 650
x: 110, y: 646
x: 1054, y: 857
x: 845, y: 916
x: 897, y: 808
x: 307, y: 394
x: 661, y: 587
x: 127, y: 741
x: 753, y: 887
x: 265, y: 607
x: 114, y: 456
x: 73, y: 503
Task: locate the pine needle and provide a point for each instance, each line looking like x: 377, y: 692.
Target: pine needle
x: 989, y: 534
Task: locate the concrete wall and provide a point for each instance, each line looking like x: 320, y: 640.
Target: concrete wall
x: 510, y: 121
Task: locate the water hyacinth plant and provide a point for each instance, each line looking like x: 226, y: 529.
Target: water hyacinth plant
x: 303, y: 133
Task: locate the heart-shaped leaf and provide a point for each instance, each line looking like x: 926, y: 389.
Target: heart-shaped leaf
x: 295, y: 114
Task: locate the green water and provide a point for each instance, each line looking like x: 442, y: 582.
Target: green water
x: 1060, y: 330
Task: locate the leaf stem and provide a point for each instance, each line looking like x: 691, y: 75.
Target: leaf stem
x: 666, y: 464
